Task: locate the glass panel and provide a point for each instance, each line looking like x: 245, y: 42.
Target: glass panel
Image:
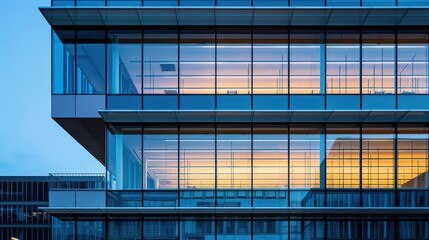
x: 342, y: 157
x: 270, y: 157
x: 124, y: 198
x: 197, y: 157
x: 197, y: 227
x: 413, y: 63
x: 412, y: 3
x: 413, y: 228
x: 124, y: 2
x: 63, y: 63
x: 234, y: 3
x: 233, y: 157
x: 378, y: 157
x: 197, y: 61
x: 270, y: 3
x: 90, y: 230
x: 412, y: 157
x: 63, y: 3
x: 305, y: 156
x: 306, y: 228
x: 378, y: 62
x: 230, y: 227
x: 160, y: 154
x: 343, y: 228
x: 343, y: 62
x: 124, y: 53
x: 378, y: 2
x: 160, y: 2
x: 124, y: 158
x: 234, y: 66
x: 307, y: 2
x: 124, y: 229
x: 343, y: 3
x: 306, y: 75
x: 274, y: 228
x: 90, y: 2
x: 378, y: 228
x: 91, y: 62
x: 62, y: 230
x: 342, y: 198
x: 197, y: 2
x: 160, y: 62
x: 270, y: 61
x: 160, y: 228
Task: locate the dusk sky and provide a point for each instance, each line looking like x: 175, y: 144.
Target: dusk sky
x: 31, y: 142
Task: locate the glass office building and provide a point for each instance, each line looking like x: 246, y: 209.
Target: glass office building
x: 246, y: 119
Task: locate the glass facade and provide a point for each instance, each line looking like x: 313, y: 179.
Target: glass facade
x: 240, y: 123
x: 244, y: 69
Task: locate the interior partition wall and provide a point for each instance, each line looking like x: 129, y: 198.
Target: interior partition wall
x: 267, y: 165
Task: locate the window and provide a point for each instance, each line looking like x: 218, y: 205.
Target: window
x: 305, y: 69
x: 378, y: 62
x: 160, y: 62
x: 197, y: 157
x: 124, y: 53
x: 124, y: 158
x: 343, y: 62
x: 342, y: 157
x: 160, y: 157
x: 412, y: 153
x: 378, y: 155
x: 305, y: 159
x: 197, y: 61
x: 91, y: 62
x: 233, y: 157
x: 270, y: 157
x: 63, y: 62
x: 270, y: 61
x: 413, y: 63
x: 234, y: 68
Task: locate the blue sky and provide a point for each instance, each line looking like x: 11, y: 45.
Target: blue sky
x: 31, y: 143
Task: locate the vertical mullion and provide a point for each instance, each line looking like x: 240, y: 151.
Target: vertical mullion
x: 216, y: 177
x: 288, y: 165
x: 142, y: 68
x: 143, y: 188
x: 360, y: 66
x: 395, y: 170
x: 360, y: 165
x: 396, y: 68
x: 178, y: 164
x: 178, y: 68
x: 251, y: 166
x: 215, y: 63
x: 288, y: 72
x: 251, y: 73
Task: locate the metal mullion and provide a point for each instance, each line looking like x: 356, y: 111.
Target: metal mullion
x: 360, y: 165
x: 288, y: 165
x: 251, y: 71
x: 216, y: 177
x: 360, y: 67
x: 178, y: 165
x: 142, y: 189
x: 395, y: 164
x: 178, y: 68
x: 215, y: 63
x: 288, y: 72
x: 396, y: 68
x: 251, y: 166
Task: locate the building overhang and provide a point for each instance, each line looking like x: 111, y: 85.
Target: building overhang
x: 236, y: 16
x: 286, y: 116
x: 103, y: 211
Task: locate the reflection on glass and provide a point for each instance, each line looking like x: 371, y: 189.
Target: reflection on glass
x: 90, y: 62
x: 197, y: 61
x: 63, y: 62
x: 412, y: 63
x: 233, y: 157
x: 342, y: 157
x: 378, y: 157
x: 234, y: 68
x: 124, y: 229
x: 305, y: 159
x: 267, y: 227
x: 343, y: 62
x: 307, y: 2
x: 160, y: 3
x: 270, y: 61
x: 413, y: 157
x: 305, y: 69
x: 160, y: 227
x: 197, y: 157
x: 160, y: 155
x: 124, y: 54
x: 270, y: 157
x: 198, y: 3
x: 378, y: 63
x: 90, y: 230
x: 160, y: 62
x: 197, y: 227
x: 124, y: 160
